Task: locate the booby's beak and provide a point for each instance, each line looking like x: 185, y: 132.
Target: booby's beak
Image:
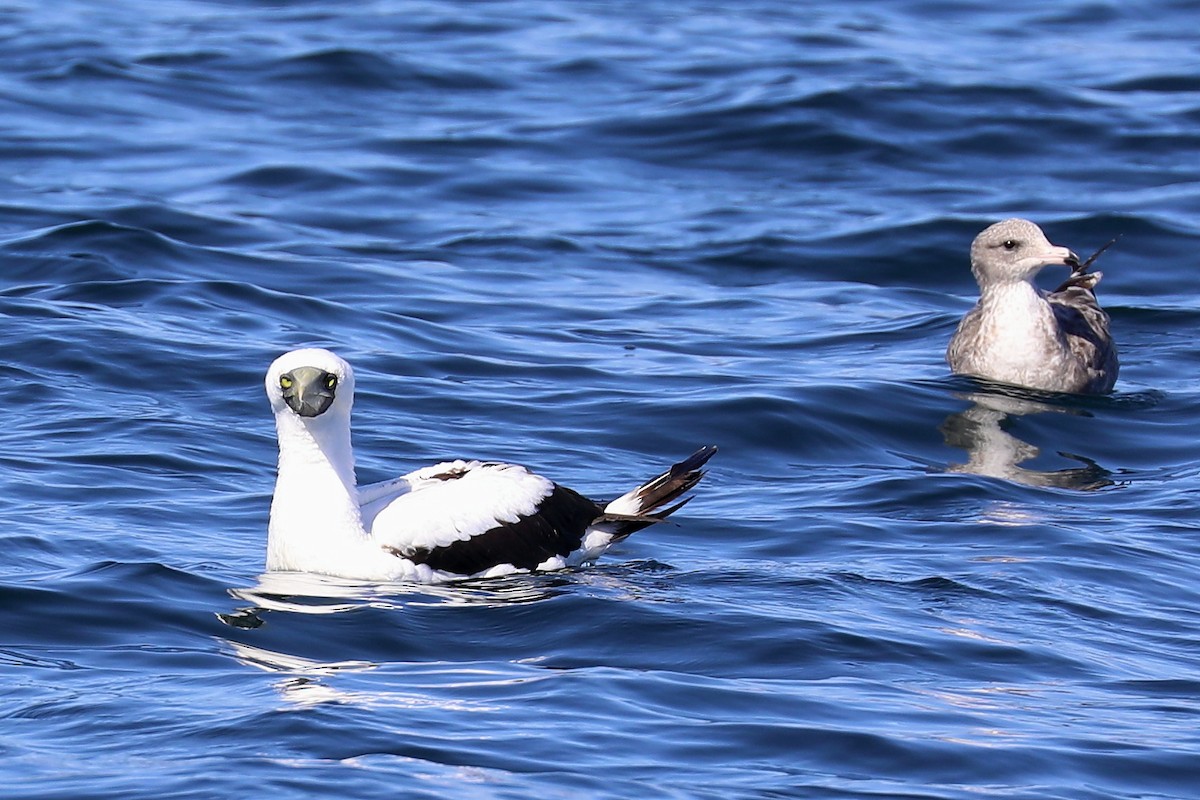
x: 308, y: 391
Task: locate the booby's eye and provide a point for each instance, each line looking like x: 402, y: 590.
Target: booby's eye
x: 285, y: 382
x: 1011, y: 244
x: 331, y: 382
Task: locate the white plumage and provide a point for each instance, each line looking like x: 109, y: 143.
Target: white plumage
x: 449, y: 520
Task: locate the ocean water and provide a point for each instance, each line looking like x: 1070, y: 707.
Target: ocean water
x: 590, y: 237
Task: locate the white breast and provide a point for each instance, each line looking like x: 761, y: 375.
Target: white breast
x: 1018, y: 340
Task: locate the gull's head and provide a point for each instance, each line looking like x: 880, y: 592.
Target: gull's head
x: 309, y: 383
x: 1015, y: 250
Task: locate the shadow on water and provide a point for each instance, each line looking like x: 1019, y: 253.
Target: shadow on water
x: 984, y: 431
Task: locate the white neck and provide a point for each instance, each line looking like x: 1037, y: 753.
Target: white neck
x: 1018, y: 300
x: 315, y: 517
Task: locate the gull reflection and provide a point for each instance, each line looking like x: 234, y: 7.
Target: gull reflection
x: 983, y: 432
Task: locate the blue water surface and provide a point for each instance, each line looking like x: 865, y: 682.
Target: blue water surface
x: 590, y: 237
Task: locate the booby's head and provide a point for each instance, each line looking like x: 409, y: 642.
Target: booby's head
x: 309, y: 383
x: 1015, y: 250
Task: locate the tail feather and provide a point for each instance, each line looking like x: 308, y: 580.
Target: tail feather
x: 639, y: 508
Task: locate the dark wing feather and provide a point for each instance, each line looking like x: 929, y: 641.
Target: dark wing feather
x: 555, y: 529
x: 1085, y: 324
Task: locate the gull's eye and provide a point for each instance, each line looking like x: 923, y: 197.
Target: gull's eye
x: 1010, y: 244
x: 285, y: 382
x: 331, y: 382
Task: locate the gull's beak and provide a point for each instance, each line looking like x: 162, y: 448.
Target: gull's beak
x: 1070, y: 259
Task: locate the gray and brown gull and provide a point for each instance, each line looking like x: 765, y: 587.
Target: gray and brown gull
x: 1019, y: 334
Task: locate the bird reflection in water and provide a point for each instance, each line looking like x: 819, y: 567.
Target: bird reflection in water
x: 279, y: 597
x: 983, y: 432
x: 306, y: 593
x: 309, y: 682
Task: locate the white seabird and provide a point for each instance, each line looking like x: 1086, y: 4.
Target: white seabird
x: 450, y: 520
x: 1055, y: 341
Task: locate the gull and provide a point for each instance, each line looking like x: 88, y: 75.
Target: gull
x: 1018, y: 334
x: 456, y: 519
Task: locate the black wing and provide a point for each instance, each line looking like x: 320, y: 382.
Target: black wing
x: 555, y: 529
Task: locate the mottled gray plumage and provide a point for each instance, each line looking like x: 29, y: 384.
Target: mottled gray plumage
x: 1056, y: 341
